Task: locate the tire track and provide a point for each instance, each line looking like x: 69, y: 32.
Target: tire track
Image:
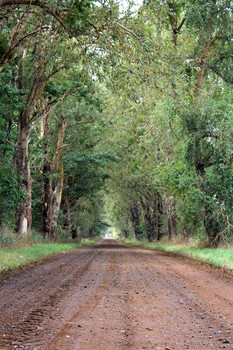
x: 115, y: 297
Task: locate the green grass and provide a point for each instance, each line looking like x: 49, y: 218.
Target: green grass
x: 218, y: 257
x: 15, y: 258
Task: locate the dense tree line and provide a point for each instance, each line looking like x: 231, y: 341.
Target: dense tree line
x: 50, y: 113
x: 128, y: 112
x: 174, y: 110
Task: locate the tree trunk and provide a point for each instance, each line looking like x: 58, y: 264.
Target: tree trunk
x: 66, y: 213
x: 56, y: 205
x: 47, y: 186
x: 203, y: 61
x: 148, y: 219
x: 23, y: 211
x: 171, y: 222
x: 58, y: 159
x: 158, y: 212
x: 212, y: 226
x: 76, y: 234
x: 47, y: 199
x: 91, y: 232
x: 126, y: 233
x: 171, y: 226
x: 52, y: 200
x: 135, y: 219
x: 185, y: 233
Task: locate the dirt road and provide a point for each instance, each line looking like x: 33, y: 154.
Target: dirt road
x: 112, y: 297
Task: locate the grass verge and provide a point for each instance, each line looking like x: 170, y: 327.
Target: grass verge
x: 15, y: 258
x: 218, y: 257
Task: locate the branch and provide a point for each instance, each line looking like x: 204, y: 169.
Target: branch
x: 55, y: 71
x: 170, y: 124
x: 51, y: 109
x: 175, y: 27
x: 40, y: 4
x: 184, y: 19
x: 134, y: 35
x: 228, y: 78
x: 94, y: 26
x: 203, y: 61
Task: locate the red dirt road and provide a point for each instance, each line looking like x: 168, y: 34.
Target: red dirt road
x: 112, y: 297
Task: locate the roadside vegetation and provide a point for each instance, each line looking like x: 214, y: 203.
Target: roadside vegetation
x: 18, y: 257
x: 222, y: 257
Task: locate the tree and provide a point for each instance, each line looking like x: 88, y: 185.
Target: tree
x: 150, y: 88
x: 199, y: 32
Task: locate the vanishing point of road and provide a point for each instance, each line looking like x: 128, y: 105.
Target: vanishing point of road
x: 110, y: 297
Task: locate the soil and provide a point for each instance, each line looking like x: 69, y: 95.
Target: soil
x: 112, y: 296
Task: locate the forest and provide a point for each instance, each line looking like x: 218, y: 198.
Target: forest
x: 116, y: 115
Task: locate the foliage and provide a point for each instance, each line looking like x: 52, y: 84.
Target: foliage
x: 129, y: 112
x: 10, y: 193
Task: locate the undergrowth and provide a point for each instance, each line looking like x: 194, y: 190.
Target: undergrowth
x: 8, y: 239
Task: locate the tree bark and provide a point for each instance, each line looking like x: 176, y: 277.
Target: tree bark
x: 66, y: 212
x: 23, y: 211
x: 56, y: 205
x: 185, y: 233
x: 52, y: 199
x: 158, y: 212
x: 212, y: 226
x: 148, y: 219
x: 57, y: 195
x: 171, y: 222
x: 202, y: 64
x: 135, y: 219
x: 172, y: 230
x: 47, y: 185
x: 175, y: 26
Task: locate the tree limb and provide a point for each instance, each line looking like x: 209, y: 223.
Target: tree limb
x: 51, y: 109
x: 40, y: 4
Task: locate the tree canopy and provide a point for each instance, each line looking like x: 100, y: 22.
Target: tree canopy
x: 117, y: 117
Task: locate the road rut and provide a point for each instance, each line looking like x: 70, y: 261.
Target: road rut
x: 112, y: 296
